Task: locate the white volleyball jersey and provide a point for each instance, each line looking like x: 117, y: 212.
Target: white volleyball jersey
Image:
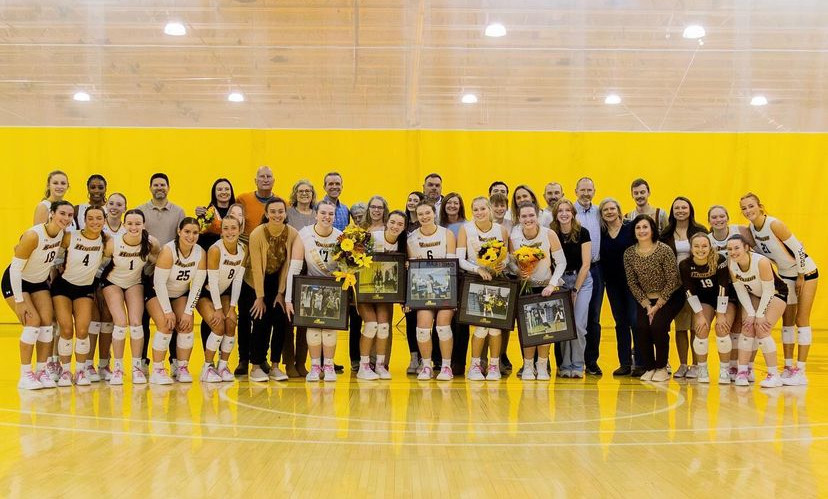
x: 383, y: 246
x: 112, y: 233
x: 80, y: 216
x: 48, y: 204
x: 229, y: 264
x: 543, y: 271
x: 475, y: 238
x: 43, y: 257
x: 83, y: 259
x: 183, y: 270
x: 127, y: 264
x: 721, y: 246
x: 751, y: 278
x: 770, y: 246
x: 421, y: 247
x: 319, y: 250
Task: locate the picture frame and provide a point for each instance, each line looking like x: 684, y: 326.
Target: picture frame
x: 545, y: 319
x: 432, y: 284
x: 487, y: 303
x: 384, y: 281
x: 319, y: 302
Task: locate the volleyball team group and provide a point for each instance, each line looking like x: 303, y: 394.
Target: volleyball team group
x: 89, y: 278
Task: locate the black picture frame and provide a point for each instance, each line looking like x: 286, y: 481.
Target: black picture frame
x: 487, y: 303
x: 431, y: 284
x: 533, y: 318
x: 384, y: 281
x: 319, y: 302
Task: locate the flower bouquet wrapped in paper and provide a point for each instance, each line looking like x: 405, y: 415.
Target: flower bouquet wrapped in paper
x: 352, y: 252
x: 492, y: 256
x: 527, y: 259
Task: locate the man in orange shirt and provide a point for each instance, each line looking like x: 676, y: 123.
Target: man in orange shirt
x: 254, y: 201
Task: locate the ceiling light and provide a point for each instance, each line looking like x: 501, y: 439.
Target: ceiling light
x: 175, y: 29
x: 235, y: 97
x: 495, y: 30
x: 758, y: 100
x: 612, y: 99
x: 82, y: 96
x: 693, y: 32
x: 469, y: 99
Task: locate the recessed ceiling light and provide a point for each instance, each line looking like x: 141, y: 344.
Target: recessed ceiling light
x: 469, y: 99
x: 495, y: 30
x: 235, y: 97
x: 81, y: 96
x: 612, y: 99
x: 693, y: 32
x: 175, y: 29
x: 758, y: 100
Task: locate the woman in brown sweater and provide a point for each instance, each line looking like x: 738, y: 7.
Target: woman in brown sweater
x: 653, y: 278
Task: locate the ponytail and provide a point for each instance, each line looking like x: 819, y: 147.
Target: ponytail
x: 146, y: 246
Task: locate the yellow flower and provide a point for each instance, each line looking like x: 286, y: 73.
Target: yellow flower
x: 347, y: 244
x: 366, y: 261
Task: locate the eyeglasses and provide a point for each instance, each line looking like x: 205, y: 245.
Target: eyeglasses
x: 304, y: 191
x: 375, y: 207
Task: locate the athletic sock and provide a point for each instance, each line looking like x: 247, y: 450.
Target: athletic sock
x: 329, y: 362
x: 788, y: 362
x: 364, y: 359
x: 494, y: 361
x: 446, y: 363
x: 773, y: 370
x: 475, y: 361
x: 743, y: 368
x: 40, y: 366
x: 428, y: 363
x: 119, y: 365
x: 25, y: 369
x: 222, y: 364
x: 137, y: 362
x: 800, y: 366
x: 380, y: 360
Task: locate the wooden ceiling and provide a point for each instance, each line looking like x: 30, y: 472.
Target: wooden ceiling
x: 405, y: 64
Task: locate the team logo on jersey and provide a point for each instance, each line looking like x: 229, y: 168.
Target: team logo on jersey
x: 81, y: 247
x: 125, y: 254
x: 746, y: 279
x: 430, y: 244
x: 179, y: 263
x: 231, y: 263
x: 47, y: 247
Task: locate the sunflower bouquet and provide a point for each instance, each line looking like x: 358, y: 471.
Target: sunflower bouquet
x: 206, y: 219
x: 352, y: 252
x: 492, y: 255
x: 527, y: 259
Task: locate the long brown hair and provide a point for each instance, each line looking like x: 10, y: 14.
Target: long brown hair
x: 575, y: 234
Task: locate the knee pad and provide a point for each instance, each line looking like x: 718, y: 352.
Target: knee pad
x: 45, y: 334
x: 328, y: 338
x: 94, y: 328
x: 82, y: 346
x: 745, y: 343
x: 724, y: 344
x: 227, y: 343
x: 423, y: 334
x: 161, y: 341
x: 136, y: 332
x: 118, y: 333
x: 383, y: 331
x: 107, y: 327
x: 314, y: 337
x: 213, y: 342
x: 805, y: 335
x: 700, y: 345
x: 444, y: 332
x: 789, y: 335
x: 767, y: 345
x: 370, y: 330
x: 64, y: 347
x: 185, y: 340
x: 29, y: 335
x: 480, y: 332
x: 494, y: 332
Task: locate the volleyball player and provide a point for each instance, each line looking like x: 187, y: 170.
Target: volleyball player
x: 314, y: 247
x: 96, y: 193
x: 763, y: 297
x: 57, y: 184
x: 217, y: 304
x: 427, y: 242
x: 122, y: 286
x: 706, y: 280
x: 543, y: 279
x: 26, y: 290
x: 774, y: 240
x: 180, y: 272
x: 73, y: 293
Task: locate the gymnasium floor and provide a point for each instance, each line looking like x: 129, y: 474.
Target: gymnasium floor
x: 601, y: 437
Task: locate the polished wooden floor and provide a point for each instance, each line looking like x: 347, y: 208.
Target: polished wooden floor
x: 599, y: 437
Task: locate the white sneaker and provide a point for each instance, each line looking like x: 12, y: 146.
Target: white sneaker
x: 65, y: 379
x: 365, y: 372
x: 692, y: 372
x: 787, y: 372
x: 28, y: 381
x: 528, y: 373
x: 771, y: 381
x: 45, y: 379
x: 703, y: 374
x: 681, y: 371
x: 81, y: 379
x: 92, y: 374
x: 116, y: 378
x: 106, y: 373
x: 797, y: 378
x: 257, y: 374
x: 542, y: 375
x: 661, y: 375
x: 329, y: 372
x: 732, y: 372
x: 724, y: 376
x: 183, y: 375
x: 160, y: 377
x: 314, y: 373
x: 226, y: 375
x: 53, y: 369
x: 277, y: 374
x: 382, y: 372
x: 493, y: 374
x: 445, y: 374
x: 138, y: 376
x: 475, y: 373
x: 742, y: 379
x: 425, y: 373
x: 647, y: 376
x: 209, y: 374
x: 750, y: 375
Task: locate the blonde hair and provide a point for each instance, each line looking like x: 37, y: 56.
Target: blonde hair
x: 242, y: 221
x: 299, y: 183
x: 754, y: 196
x: 575, y: 233
x: 488, y: 205
x: 712, y: 255
x: 49, y: 180
x: 605, y: 202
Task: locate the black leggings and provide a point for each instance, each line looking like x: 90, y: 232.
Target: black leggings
x: 246, y: 299
x: 657, y: 335
x: 270, y: 328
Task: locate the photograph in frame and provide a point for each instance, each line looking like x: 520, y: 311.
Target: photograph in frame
x: 543, y: 320
x: 319, y: 302
x: 383, y: 281
x: 432, y: 284
x: 487, y: 303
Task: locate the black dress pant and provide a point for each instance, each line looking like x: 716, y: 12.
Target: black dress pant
x: 654, y: 338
